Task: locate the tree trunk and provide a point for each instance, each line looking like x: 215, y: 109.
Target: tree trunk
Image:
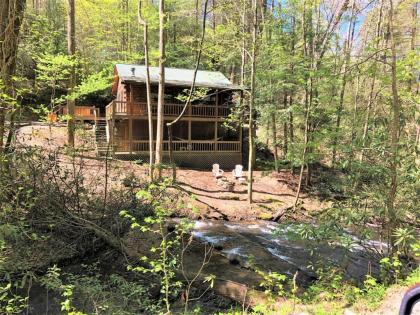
x: 347, y: 51
x: 196, y: 12
x: 161, y: 89
x: 148, y: 92
x: 292, y: 51
x: 267, y: 134
x: 214, y: 15
x: 11, y: 16
x: 372, y: 87
x: 251, y: 102
x: 188, y: 101
x: 285, y: 128
x: 305, y: 149
x: 243, y: 52
x: 274, y: 132
x: 394, y: 130
x: 414, y: 86
x: 232, y: 73
x: 367, y: 118
x: 308, y: 101
x: 71, y: 50
x: 291, y: 131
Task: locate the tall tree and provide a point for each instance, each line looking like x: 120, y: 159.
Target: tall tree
x: 251, y: 121
x: 71, y: 50
x: 190, y: 94
x: 348, y: 44
x: 11, y: 15
x: 395, y: 125
x: 143, y: 22
x: 161, y: 88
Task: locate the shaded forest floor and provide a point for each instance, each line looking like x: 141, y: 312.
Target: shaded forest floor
x: 273, y: 192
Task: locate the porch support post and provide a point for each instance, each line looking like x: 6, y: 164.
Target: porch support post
x: 240, y: 139
x: 112, y: 131
x: 130, y: 135
x: 217, y: 104
x: 215, y: 136
x: 189, y: 134
x: 130, y: 104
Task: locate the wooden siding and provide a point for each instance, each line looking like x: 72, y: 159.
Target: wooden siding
x: 82, y: 112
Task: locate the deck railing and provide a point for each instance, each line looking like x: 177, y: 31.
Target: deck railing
x: 178, y: 146
x: 82, y: 112
x: 119, y: 108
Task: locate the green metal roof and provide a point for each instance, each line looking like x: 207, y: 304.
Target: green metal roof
x: 176, y: 77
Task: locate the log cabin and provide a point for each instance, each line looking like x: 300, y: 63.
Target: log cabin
x: 200, y: 138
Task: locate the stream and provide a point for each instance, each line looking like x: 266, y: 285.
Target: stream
x: 273, y: 247
x: 238, y: 249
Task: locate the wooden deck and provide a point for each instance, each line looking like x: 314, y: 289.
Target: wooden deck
x: 136, y: 109
x: 82, y: 112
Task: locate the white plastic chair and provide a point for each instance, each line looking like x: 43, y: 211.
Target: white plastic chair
x: 237, y: 173
x: 217, y: 172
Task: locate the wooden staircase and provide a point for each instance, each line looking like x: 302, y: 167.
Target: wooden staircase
x: 102, y: 148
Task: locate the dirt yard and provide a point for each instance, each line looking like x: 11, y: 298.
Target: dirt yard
x: 272, y: 192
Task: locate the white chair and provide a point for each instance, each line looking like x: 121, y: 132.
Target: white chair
x: 237, y: 173
x: 217, y: 172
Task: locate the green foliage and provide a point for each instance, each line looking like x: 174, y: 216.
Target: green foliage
x: 10, y: 301
x: 413, y: 277
x: 93, y: 83
x: 391, y: 269
x: 54, y: 73
x: 405, y: 238
x: 272, y: 283
x: 329, y: 286
x: 197, y: 95
x: 373, y: 292
x: 66, y: 305
x: 164, y: 259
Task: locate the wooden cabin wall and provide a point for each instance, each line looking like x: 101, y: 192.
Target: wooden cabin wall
x: 138, y: 93
x: 121, y: 130
x: 122, y: 92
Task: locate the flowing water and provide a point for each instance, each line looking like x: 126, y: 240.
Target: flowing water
x: 275, y: 247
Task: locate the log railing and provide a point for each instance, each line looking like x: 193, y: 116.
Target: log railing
x: 119, y: 108
x: 178, y: 146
